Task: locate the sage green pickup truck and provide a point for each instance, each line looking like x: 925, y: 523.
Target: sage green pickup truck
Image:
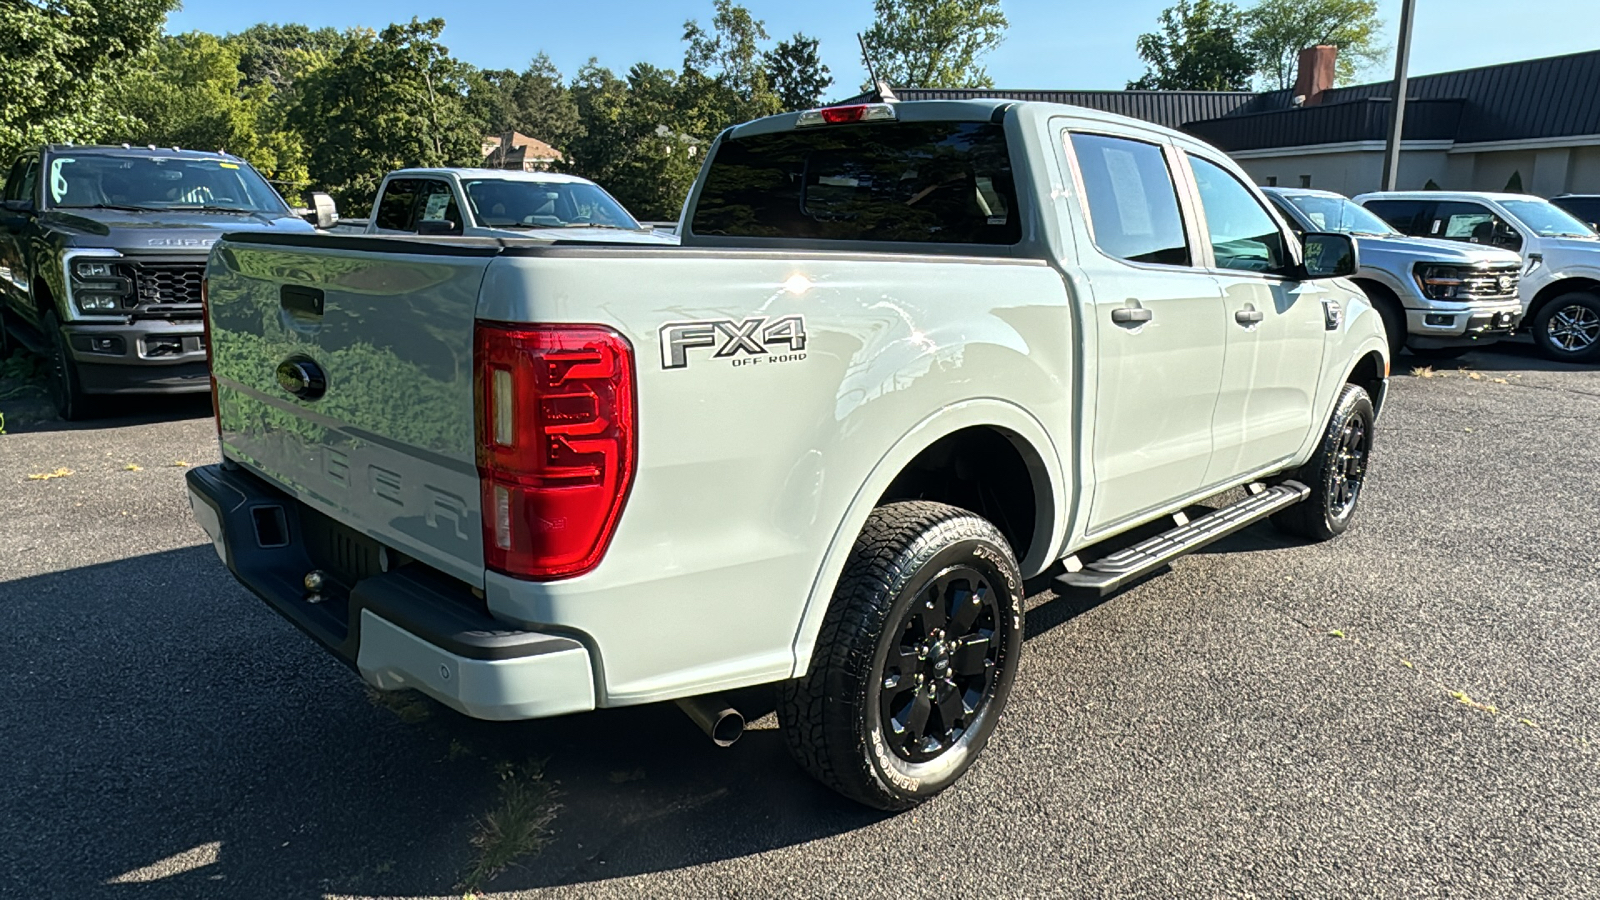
x: 908, y: 357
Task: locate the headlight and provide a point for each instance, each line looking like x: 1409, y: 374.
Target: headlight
x: 1443, y: 282
x: 94, y: 270
x: 98, y: 303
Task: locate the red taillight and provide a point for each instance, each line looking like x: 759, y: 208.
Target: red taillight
x: 205, y: 325
x: 556, y: 444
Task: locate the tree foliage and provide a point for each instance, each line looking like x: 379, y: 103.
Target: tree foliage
x: 1280, y: 29
x: 934, y: 43
x: 388, y: 101
x: 536, y: 102
x: 58, y: 56
x: 1199, y: 46
x: 797, y: 74
x: 335, y: 110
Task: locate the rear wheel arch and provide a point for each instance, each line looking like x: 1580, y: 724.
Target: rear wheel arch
x: 1027, y: 437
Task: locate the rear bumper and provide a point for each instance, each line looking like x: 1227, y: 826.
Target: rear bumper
x: 152, y: 356
x: 403, y: 627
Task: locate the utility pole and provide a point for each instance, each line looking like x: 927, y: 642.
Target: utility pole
x: 1397, y: 123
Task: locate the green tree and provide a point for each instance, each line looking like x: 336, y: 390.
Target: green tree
x: 934, y: 43
x: 280, y: 55
x: 796, y: 73
x: 536, y: 102
x: 1280, y: 29
x: 634, y: 140
x: 188, y: 92
x: 724, y: 81
x: 387, y: 101
x: 58, y: 56
x: 1200, y: 47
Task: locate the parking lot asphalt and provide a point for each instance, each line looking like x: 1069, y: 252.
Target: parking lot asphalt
x: 1410, y: 710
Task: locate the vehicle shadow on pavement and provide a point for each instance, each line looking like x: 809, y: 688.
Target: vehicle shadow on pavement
x: 1515, y: 355
x: 34, y: 414
x: 168, y: 733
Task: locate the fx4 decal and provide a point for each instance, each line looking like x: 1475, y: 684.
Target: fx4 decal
x: 753, y: 337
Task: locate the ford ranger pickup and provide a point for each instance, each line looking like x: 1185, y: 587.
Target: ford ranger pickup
x: 102, y: 250
x: 1438, y: 298
x: 1560, y: 287
x: 907, y: 357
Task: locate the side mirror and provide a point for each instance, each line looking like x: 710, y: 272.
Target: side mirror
x: 437, y: 228
x: 1329, y: 256
x: 324, y: 212
x: 19, y: 206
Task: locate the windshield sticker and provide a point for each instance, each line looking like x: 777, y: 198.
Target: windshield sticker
x: 58, y: 182
x: 229, y: 165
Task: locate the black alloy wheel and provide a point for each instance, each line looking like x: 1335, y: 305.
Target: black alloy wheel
x: 1336, y: 472
x: 1349, y: 469
x: 915, y: 658
x: 942, y: 662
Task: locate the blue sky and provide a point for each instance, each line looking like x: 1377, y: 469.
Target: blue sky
x: 1081, y: 44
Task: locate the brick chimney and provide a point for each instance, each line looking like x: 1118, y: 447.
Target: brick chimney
x: 1316, y: 72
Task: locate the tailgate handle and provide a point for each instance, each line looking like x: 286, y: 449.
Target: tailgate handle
x: 302, y: 301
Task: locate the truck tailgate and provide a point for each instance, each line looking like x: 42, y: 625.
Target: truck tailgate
x: 388, y: 447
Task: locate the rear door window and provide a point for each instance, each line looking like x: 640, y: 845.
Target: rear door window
x: 912, y: 182
x: 1407, y: 216
x: 1133, y: 203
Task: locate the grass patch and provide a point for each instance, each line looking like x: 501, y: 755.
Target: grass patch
x: 518, y: 826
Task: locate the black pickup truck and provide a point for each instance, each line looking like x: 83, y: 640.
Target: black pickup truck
x: 102, y: 251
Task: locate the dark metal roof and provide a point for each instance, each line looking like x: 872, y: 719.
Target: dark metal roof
x: 1361, y: 120
x: 1556, y: 96
x: 1169, y: 108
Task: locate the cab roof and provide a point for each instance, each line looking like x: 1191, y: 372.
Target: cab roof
x: 494, y: 175
x: 1497, y: 196
x: 981, y: 109
x: 145, y: 151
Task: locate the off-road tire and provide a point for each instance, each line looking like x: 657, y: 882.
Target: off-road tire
x: 64, y: 385
x: 1582, y: 312
x: 832, y: 717
x: 1335, y: 476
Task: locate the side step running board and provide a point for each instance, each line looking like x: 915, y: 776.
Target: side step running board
x: 1109, y: 573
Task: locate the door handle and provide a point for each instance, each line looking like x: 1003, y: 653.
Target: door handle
x: 1248, y: 317
x: 1131, y: 315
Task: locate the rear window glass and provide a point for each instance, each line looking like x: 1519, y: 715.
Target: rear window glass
x: 916, y: 182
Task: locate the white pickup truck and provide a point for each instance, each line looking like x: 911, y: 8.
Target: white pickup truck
x: 1560, y: 287
x: 907, y: 356
x: 501, y: 203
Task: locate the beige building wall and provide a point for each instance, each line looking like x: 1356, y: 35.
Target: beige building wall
x: 1348, y: 172
x: 1357, y: 169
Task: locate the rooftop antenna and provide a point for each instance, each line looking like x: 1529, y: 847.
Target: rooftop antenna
x: 881, y: 92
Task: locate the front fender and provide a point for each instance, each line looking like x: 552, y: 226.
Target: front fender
x: 1037, y: 449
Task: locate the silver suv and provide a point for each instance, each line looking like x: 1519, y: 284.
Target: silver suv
x: 1438, y: 298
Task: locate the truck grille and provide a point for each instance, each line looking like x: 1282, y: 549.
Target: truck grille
x: 1499, y: 282
x: 157, y: 284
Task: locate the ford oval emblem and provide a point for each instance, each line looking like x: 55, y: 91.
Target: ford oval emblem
x: 302, y: 377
